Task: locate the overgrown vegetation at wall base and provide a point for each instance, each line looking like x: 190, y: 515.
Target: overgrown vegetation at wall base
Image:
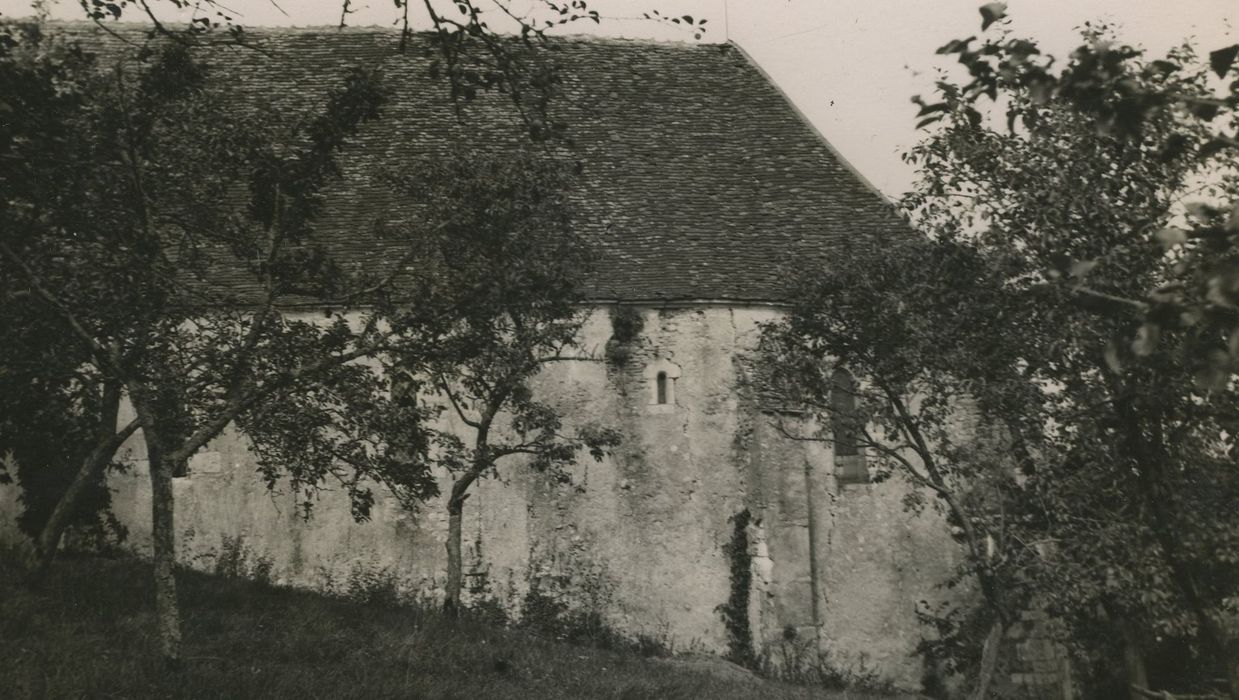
x: 86, y: 636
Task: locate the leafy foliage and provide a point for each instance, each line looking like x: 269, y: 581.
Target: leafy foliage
x: 198, y: 329
x: 1081, y: 199
x: 911, y: 319
x: 1050, y: 364
x: 1126, y: 96
x: 626, y: 326
x: 125, y: 188
x: 51, y: 400
x: 514, y: 264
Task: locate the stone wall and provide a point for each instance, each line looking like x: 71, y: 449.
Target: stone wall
x: 1037, y: 666
x: 638, y: 537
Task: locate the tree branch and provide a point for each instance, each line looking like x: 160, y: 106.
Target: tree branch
x: 443, y: 384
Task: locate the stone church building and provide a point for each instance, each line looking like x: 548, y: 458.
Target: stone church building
x: 707, y: 190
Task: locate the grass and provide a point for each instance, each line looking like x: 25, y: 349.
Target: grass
x: 89, y: 634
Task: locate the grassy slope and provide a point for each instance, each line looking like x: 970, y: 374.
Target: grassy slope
x: 89, y: 635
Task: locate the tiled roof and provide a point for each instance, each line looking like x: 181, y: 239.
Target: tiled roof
x: 700, y: 179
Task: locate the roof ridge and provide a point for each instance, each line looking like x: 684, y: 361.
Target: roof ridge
x: 372, y: 29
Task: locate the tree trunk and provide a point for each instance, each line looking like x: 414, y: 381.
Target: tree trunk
x: 455, y: 569
x: 92, y: 469
x: 455, y: 510
x: 109, y: 441
x: 1232, y: 670
x: 163, y: 541
x: 163, y: 534
x: 989, y: 659
x: 1133, y: 659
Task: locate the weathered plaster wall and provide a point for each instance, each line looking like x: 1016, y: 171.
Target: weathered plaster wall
x: 874, y: 560
x: 638, y: 537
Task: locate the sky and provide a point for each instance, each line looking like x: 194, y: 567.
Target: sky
x: 850, y: 66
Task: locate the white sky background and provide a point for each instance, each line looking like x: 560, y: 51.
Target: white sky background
x: 850, y: 65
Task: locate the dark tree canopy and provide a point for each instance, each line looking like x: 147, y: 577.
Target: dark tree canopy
x: 1053, y: 363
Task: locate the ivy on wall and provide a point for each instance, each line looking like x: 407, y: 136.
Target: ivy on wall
x: 735, y: 611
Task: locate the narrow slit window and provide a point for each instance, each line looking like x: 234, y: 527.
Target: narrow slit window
x: 846, y: 425
x: 659, y: 381
x: 843, y: 413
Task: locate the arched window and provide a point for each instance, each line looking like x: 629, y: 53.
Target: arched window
x: 660, y: 376
x: 846, y: 424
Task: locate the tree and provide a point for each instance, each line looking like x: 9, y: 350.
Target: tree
x: 54, y: 402
x: 910, y: 318
x: 192, y: 356
x: 514, y: 265
x: 1135, y: 278
x: 1122, y: 94
x: 482, y: 292
x: 1113, y: 416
